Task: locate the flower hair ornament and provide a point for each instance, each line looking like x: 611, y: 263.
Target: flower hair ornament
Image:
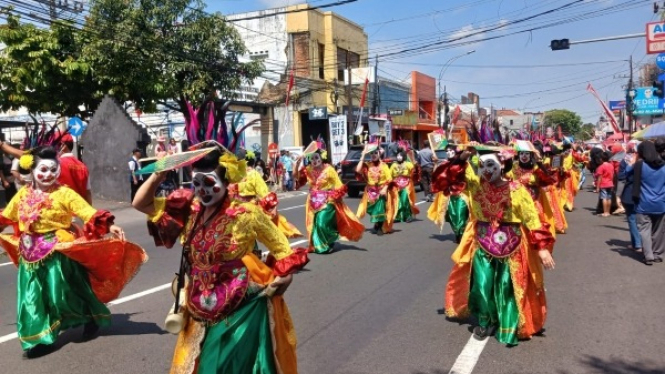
x: 249, y: 155
x: 26, y: 161
x: 235, y: 169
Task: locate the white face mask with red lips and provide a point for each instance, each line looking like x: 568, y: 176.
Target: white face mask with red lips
x: 45, y: 173
x: 489, y: 168
x: 208, y: 187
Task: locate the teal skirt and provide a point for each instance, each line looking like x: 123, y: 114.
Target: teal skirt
x: 324, y: 231
x: 404, y: 211
x: 457, y: 215
x: 241, y: 343
x: 54, y: 294
x: 377, y: 210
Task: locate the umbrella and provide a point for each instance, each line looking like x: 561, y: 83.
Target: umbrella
x: 619, y: 156
x: 654, y: 131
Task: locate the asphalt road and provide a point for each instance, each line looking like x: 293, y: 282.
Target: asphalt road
x: 372, y: 307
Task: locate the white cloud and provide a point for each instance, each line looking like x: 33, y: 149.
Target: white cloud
x: 466, y: 31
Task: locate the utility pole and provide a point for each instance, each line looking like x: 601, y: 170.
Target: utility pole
x: 629, y: 99
x: 375, y: 109
x: 349, y: 99
x: 446, y: 108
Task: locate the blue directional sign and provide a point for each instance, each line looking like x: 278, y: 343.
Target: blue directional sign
x: 646, y: 103
x: 617, y: 104
x: 660, y: 61
x: 76, y: 126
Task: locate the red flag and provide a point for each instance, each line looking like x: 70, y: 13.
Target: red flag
x: 606, y: 109
x: 364, y: 96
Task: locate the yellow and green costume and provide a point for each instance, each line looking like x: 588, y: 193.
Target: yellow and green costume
x: 254, y: 189
x: 402, y: 176
x: 327, y: 217
x: 497, y: 276
x: 379, y: 201
x: 64, y: 275
x: 230, y: 326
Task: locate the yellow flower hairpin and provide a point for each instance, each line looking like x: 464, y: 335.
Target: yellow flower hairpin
x: 235, y: 169
x: 26, y: 161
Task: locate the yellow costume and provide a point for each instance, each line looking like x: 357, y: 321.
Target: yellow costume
x: 378, y: 199
x: 327, y: 217
x: 64, y: 276
x: 254, y: 189
x: 225, y: 310
x: 402, y: 176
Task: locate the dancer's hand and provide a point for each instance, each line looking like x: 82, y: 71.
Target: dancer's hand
x: 546, y: 258
x: 282, y: 283
x: 117, y: 231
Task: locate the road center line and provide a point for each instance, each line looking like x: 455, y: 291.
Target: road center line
x: 122, y: 300
x: 6, y: 263
x: 290, y: 208
x: 468, y: 359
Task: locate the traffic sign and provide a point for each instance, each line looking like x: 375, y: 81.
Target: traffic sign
x: 655, y: 37
x: 617, y: 104
x: 76, y: 126
x: 646, y: 103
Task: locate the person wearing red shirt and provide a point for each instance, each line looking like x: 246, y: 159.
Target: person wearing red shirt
x: 605, y: 183
x: 74, y: 174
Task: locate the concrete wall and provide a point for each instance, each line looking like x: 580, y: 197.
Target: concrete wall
x: 108, y: 143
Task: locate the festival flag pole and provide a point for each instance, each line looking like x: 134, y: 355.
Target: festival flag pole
x: 359, y: 126
x: 606, y: 109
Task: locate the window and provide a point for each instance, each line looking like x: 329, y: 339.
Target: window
x: 321, y: 61
x: 345, y: 60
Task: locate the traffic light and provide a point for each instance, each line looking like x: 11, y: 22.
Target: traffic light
x: 659, y: 89
x: 560, y: 44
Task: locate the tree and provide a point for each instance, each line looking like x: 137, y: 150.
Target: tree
x: 42, y: 69
x: 154, y: 52
x: 569, y: 121
x: 586, y: 132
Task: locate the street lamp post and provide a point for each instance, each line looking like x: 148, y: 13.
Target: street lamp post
x: 630, y: 108
x: 444, y: 96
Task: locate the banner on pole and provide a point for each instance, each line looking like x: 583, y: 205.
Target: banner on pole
x: 338, y: 139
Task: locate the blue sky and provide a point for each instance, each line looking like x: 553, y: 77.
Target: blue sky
x: 506, y: 72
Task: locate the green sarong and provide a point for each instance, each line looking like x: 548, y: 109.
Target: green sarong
x: 241, y: 343
x: 377, y: 211
x: 54, y: 294
x: 403, y: 206
x: 457, y: 215
x: 492, y: 299
x: 324, y: 229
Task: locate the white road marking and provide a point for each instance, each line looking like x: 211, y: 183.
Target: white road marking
x: 422, y: 202
x: 6, y: 263
x: 467, y: 360
x: 290, y: 208
x: 122, y: 300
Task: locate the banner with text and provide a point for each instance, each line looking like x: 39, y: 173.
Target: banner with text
x: 338, y: 139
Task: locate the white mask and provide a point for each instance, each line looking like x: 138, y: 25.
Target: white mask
x: 208, y: 188
x: 316, y: 160
x: 525, y: 157
x: 451, y: 153
x: 46, y: 173
x: 490, y: 168
x: 400, y: 159
x: 375, y: 156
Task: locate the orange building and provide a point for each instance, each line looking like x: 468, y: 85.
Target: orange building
x: 420, y: 120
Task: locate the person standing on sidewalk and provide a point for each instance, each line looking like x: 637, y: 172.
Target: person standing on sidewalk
x: 627, y: 199
x: 427, y: 159
x: 649, y: 192
x: 135, y: 181
x: 287, y: 163
x: 604, y: 183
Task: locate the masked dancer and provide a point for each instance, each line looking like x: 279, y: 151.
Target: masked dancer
x: 327, y: 217
x: 402, y: 174
x: 231, y: 324
x: 451, y: 206
x: 252, y: 188
x: 379, y: 201
x: 553, y: 192
x: 65, y: 275
x: 498, y: 267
